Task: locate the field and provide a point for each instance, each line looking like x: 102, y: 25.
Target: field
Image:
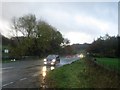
x: 110, y: 63
x: 81, y: 74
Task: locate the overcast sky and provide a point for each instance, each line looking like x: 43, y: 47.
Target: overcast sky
x: 80, y: 22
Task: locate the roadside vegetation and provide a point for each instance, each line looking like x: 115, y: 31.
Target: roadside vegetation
x: 67, y: 76
x: 106, y: 46
x: 105, y: 50
x: 82, y: 74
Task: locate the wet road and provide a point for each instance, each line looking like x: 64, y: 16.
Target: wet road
x: 28, y: 74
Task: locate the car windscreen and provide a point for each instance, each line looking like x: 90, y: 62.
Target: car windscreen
x: 51, y: 57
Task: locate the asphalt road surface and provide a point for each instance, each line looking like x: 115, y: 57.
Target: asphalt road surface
x: 29, y: 73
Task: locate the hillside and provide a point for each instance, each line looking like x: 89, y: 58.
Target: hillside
x: 80, y: 47
x: 5, y: 41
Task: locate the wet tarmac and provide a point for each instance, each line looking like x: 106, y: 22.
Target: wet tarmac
x: 28, y: 74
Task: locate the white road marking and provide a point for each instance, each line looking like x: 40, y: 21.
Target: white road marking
x: 36, y: 74
x: 7, y: 84
x: 23, y: 79
x: 8, y: 68
x: 12, y: 82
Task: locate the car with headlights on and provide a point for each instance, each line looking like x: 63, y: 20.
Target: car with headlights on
x: 52, y: 60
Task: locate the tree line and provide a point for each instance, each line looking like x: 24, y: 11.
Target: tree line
x: 38, y: 38
x: 106, y: 46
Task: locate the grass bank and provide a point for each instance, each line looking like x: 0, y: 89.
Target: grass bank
x: 81, y: 74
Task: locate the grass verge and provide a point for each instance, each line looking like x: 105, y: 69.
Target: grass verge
x: 81, y: 74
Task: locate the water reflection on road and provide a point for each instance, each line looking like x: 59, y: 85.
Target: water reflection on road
x: 45, y: 69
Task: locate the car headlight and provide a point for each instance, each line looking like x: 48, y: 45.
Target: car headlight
x: 45, y: 59
x: 53, y: 60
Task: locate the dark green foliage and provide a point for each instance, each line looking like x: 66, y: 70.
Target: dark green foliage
x: 39, y: 38
x: 5, y: 41
x: 106, y: 46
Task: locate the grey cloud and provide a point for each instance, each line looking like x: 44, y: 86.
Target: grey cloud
x: 61, y: 15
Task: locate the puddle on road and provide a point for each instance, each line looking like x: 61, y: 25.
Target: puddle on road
x: 45, y: 69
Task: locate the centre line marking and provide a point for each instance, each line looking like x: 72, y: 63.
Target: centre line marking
x: 8, y: 68
x: 7, y: 84
x: 23, y: 79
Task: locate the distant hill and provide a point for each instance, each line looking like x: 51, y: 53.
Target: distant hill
x: 79, y: 47
x: 5, y: 41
